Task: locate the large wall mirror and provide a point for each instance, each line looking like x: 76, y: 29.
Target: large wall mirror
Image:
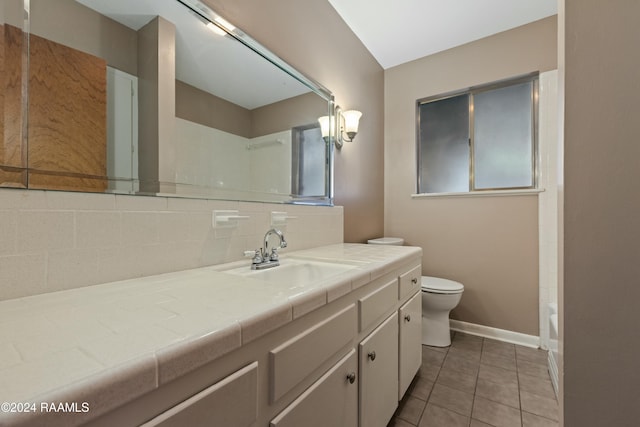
x: 154, y: 97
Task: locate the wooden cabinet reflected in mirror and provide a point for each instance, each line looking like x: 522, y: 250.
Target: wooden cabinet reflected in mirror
x: 13, y: 155
x: 67, y: 130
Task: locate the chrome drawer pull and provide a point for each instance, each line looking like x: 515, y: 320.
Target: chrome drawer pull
x: 372, y: 355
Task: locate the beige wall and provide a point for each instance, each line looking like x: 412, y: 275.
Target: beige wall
x: 602, y: 201
x: 490, y: 244
x: 92, y: 32
x: 201, y: 107
x: 297, y: 111
x: 312, y: 37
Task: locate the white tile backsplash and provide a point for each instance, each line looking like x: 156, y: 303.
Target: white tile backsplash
x: 45, y: 230
x: 51, y: 241
x: 8, y: 226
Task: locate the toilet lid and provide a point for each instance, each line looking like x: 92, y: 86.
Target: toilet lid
x: 393, y: 241
x: 437, y: 285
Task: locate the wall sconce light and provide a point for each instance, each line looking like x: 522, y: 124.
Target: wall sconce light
x: 345, y: 122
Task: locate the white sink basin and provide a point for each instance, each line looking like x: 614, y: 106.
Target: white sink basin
x: 297, y: 271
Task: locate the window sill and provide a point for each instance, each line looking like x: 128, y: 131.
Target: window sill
x: 488, y: 193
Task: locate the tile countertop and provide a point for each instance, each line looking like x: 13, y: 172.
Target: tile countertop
x: 101, y: 346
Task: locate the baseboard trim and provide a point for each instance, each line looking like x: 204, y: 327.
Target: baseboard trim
x: 495, y: 333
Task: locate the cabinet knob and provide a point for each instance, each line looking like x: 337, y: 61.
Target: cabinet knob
x: 407, y: 318
x: 414, y: 280
x: 351, y: 377
x: 372, y: 355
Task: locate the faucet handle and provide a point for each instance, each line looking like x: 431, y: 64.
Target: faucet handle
x: 274, y: 254
x: 256, y: 255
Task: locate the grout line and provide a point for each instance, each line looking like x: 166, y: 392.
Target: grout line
x: 475, y: 389
x: 518, y: 382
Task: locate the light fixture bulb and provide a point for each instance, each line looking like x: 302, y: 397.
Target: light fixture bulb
x: 225, y: 24
x: 325, y: 126
x: 351, y: 120
x: 213, y: 27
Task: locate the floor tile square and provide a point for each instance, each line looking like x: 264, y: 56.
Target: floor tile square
x: 534, y: 355
x: 540, y: 386
x: 495, y: 414
x: 435, y: 416
x: 432, y: 356
x: 499, y: 348
x: 457, y: 380
x: 532, y: 369
x: 476, y: 423
x: 466, y: 353
x: 498, y: 360
x: 507, y: 394
x: 452, y: 399
x: 399, y: 422
x: 539, y: 405
x: 472, y: 344
x: 498, y: 375
x: 461, y: 364
x: 410, y: 410
x: 531, y: 420
x: 429, y: 371
x: 420, y: 388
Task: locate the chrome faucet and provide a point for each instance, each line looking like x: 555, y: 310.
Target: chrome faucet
x: 283, y: 243
x: 262, y: 258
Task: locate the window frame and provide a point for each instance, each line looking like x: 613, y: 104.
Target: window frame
x: 471, y: 91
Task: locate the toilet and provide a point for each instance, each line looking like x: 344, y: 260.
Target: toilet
x: 439, y: 297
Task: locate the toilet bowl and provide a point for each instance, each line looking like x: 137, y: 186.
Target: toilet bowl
x: 439, y: 297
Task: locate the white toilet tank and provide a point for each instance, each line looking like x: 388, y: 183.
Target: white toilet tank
x: 393, y: 241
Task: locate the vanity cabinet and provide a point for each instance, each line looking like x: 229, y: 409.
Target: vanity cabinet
x: 345, y: 364
x: 410, y: 342
x: 229, y: 402
x: 378, y: 357
x: 330, y: 401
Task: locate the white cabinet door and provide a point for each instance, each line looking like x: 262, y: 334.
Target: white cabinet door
x: 332, y: 401
x: 379, y: 374
x: 410, y: 348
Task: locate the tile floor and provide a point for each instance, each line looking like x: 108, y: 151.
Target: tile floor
x: 479, y: 382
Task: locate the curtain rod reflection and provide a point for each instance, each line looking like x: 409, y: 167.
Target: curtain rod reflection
x: 261, y: 144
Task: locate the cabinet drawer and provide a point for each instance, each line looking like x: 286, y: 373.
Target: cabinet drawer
x: 230, y: 402
x: 410, y: 282
x: 410, y: 357
x: 377, y: 303
x: 297, y: 358
x: 330, y: 401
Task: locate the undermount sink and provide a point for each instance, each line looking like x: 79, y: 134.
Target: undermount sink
x: 294, y: 270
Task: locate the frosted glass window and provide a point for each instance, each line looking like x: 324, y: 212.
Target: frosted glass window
x: 444, y: 145
x: 308, y: 176
x: 503, y: 139
x: 481, y: 138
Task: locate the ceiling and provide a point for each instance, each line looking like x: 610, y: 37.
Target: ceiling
x: 213, y: 63
x: 399, y: 31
